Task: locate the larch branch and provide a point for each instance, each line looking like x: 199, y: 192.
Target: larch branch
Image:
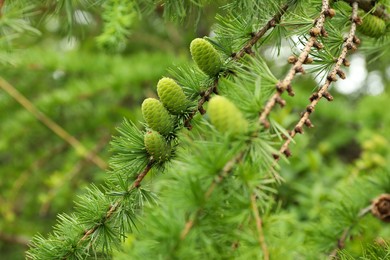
x: 323, y: 91
x: 204, y: 98
x: 259, y: 227
x: 285, y: 84
x: 226, y: 170
x: 270, y: 24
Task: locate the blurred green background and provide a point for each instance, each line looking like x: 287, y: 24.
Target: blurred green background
x: 87, y: 84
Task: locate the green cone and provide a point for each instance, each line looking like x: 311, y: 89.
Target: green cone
x: 226, y: 117
x: 372, y: 26
x: 172, y: 96
x: 156, y: 116
x: 206, y: 56
x: 157, y: 146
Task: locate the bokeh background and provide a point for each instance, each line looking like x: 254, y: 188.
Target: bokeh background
x: 68, y: 65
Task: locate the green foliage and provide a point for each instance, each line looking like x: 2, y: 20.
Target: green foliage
x: 215, y: 184
x: 119, y: 19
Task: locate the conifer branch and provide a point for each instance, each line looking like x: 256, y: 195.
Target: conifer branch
x: 344, y: 236
x: 53, y: 126
x: 108, y: 215
x: 285, y: 84
x: 142, y: 175
x: 226, y: 170
x: 136, y: 184
x: 247, y: 49
x: 323, y: 91
x: 259, y: 226
x: 2, y: 2
x: 204, y: 98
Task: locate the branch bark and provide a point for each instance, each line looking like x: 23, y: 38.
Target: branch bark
x: 2, y: 2
x: 247, y: 49
x: 285, y: 84
x: 259, y: 227
x: 13, y: 239
x: 323, y: 91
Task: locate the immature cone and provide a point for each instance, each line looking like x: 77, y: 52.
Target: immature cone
x: 156, y: 116
x: 226, y: 117
x: 206, y: 56
x: 157, y: 146
x: 372, y: 26
x: 172, y: 96
x: 381, y: 207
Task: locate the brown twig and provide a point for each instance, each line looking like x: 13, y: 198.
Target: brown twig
x: 136, y: 184
x: 2, y: 2
x: 285, y: 84
x: 323, y: 91
x: 259, y: 227
x: 15, y: 239
x: 247, y: 49
x: 53, y: 126
x: 204, y: 98
x: 109, y: 213
x: 141, y: 176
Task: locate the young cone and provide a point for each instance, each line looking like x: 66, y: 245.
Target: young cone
x: 172, y: 96
x: 156, y: 116
x: 372, y: 26
x: 226, y: 117
x: 157, y: 146
x: 206, y: 56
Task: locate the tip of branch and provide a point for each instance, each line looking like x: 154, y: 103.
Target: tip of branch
x: 318, y: 45
x: 330, y: 12
x: 308, y: 123
x: 201, y: 110
x: 265, y: 123
x: 287, y: 152
x: 298, y: 129
x: 332, y: 77
x: 310, y: 108
x: 315, y: 31
x: 341, y: 73
x: 313, y: 97
x: 357, y: 20
x: 290, y: 91
x: 328, y: 96
x: 346, y: 63
x: 292, y: 59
